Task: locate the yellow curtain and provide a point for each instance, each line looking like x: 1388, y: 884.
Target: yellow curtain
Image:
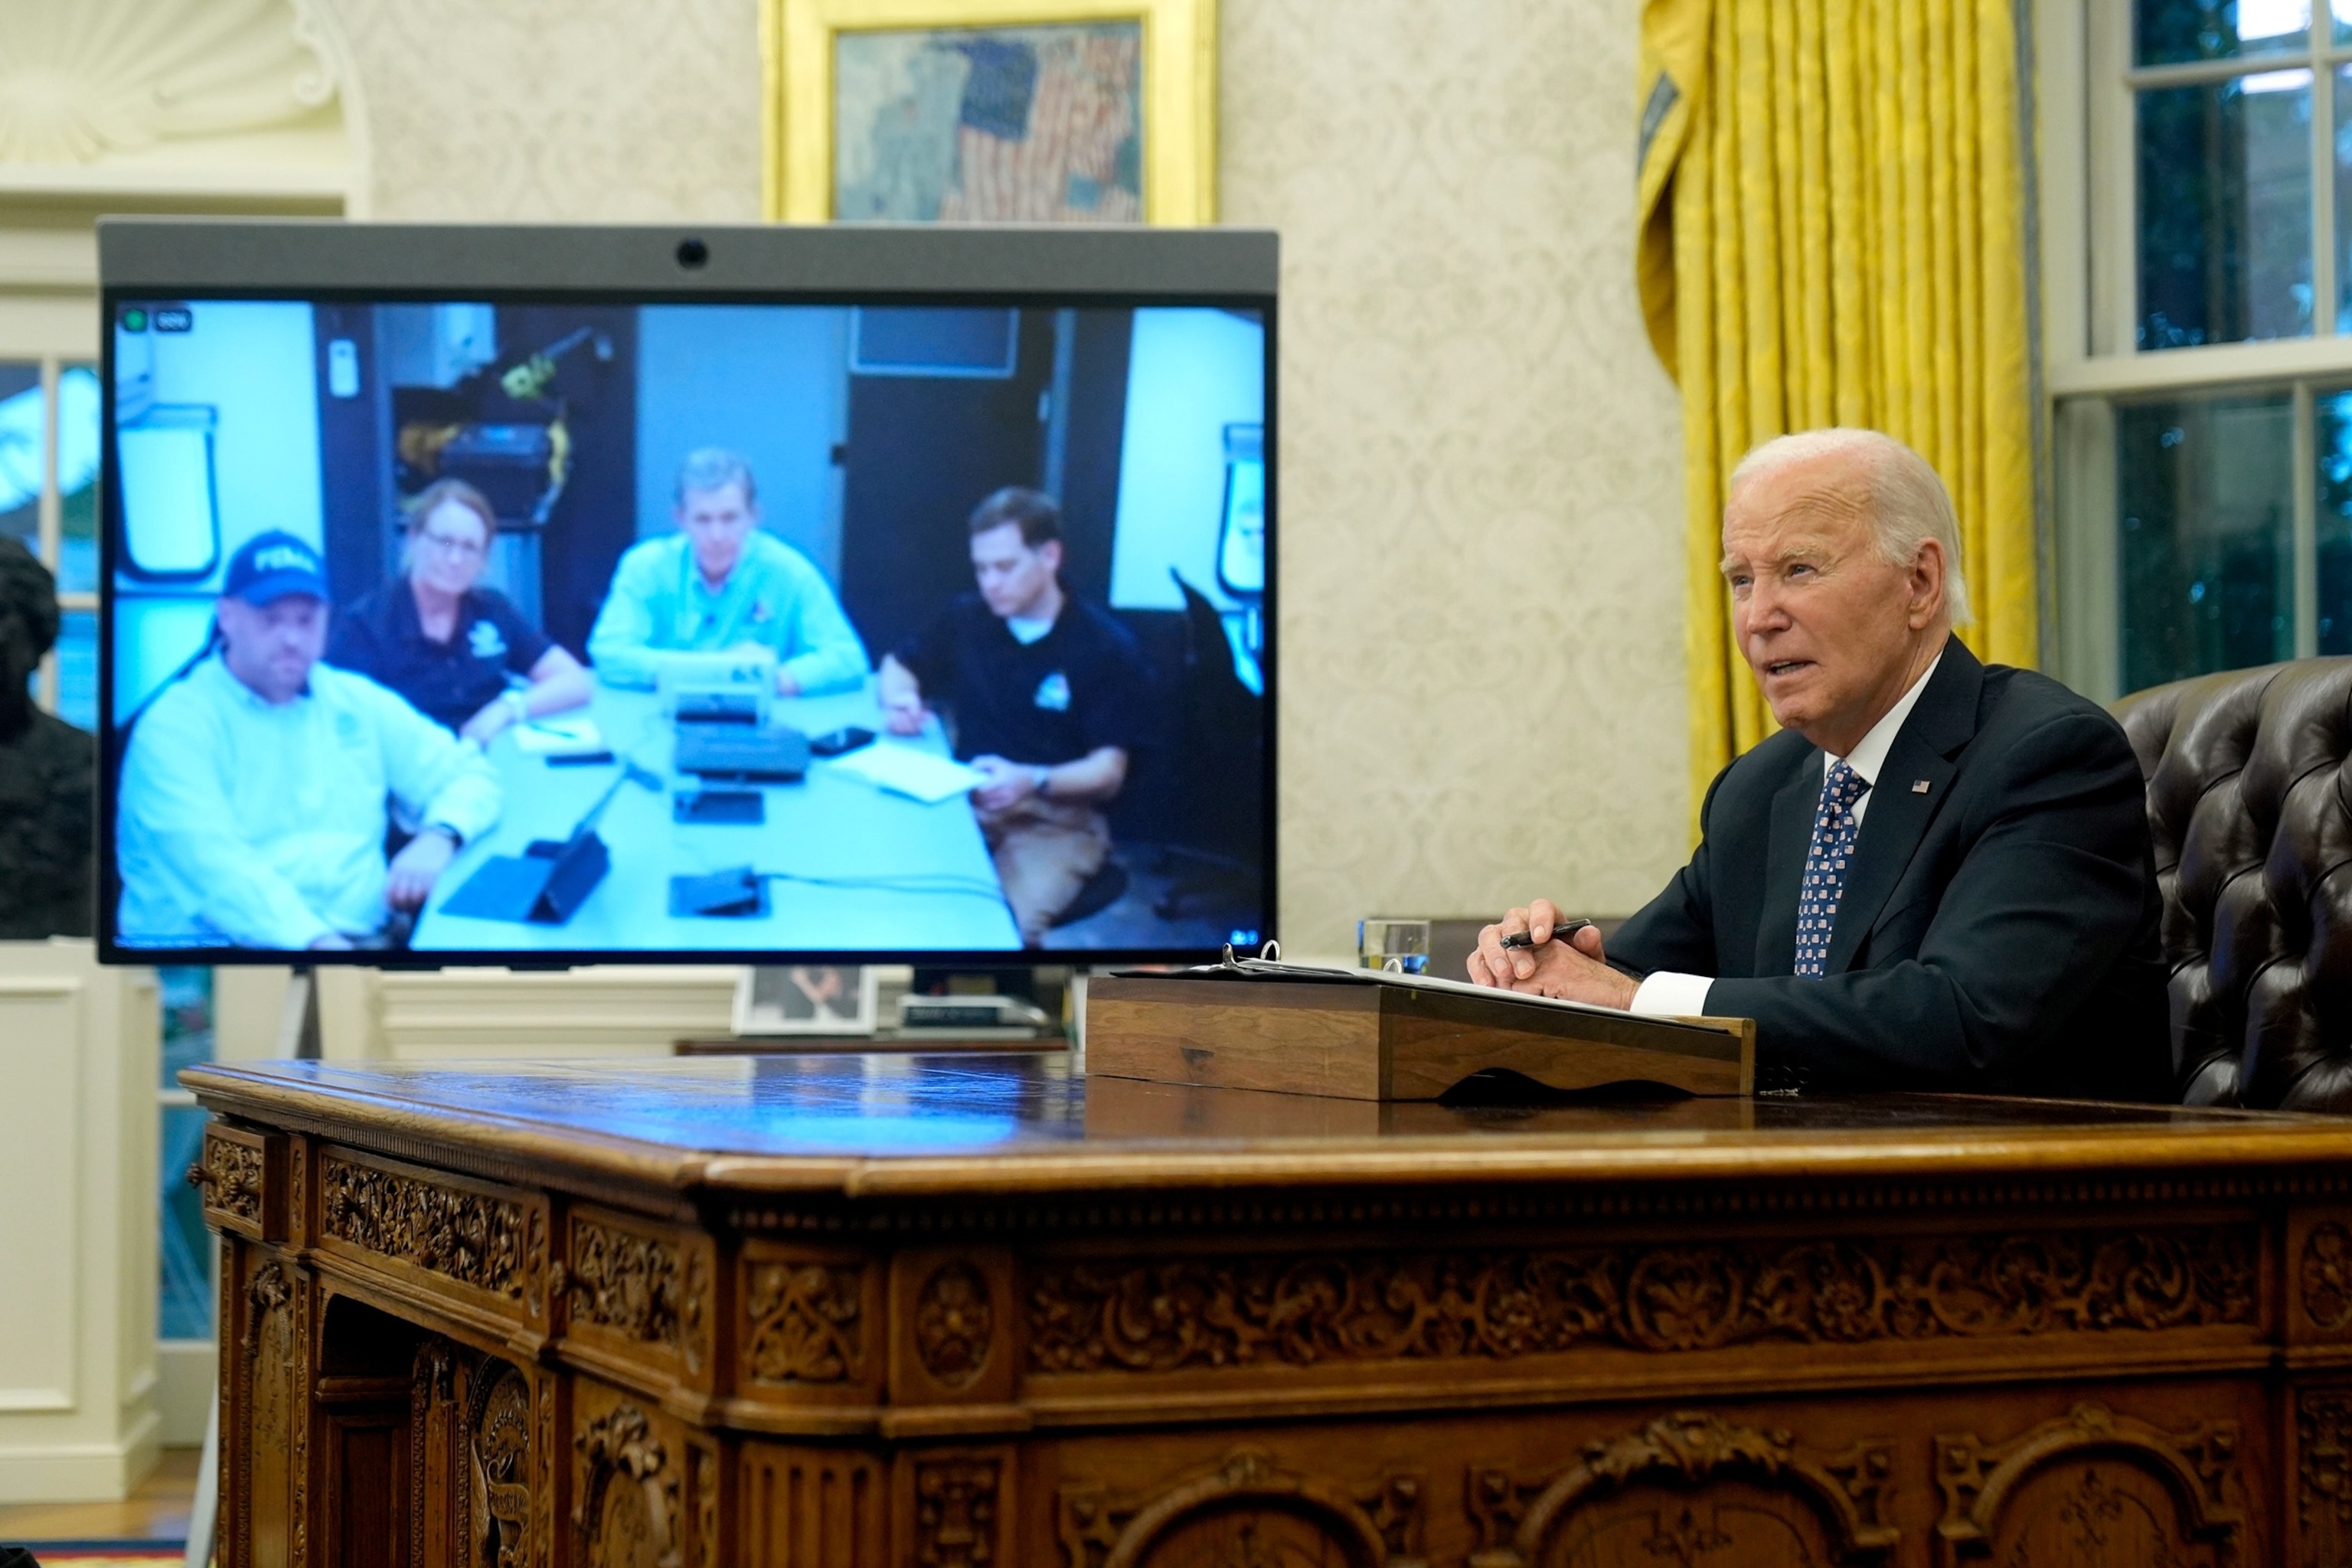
x: 1832, y: 205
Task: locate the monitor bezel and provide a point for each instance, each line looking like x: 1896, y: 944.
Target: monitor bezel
x: 149, y: 260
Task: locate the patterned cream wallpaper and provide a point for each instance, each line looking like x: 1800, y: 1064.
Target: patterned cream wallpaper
x: 561, y: 111
x: 1481, y: 624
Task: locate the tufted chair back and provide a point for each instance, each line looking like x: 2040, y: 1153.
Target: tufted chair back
x: 2250, y: 803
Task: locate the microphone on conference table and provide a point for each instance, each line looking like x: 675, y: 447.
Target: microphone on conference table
x: 1560, y: 932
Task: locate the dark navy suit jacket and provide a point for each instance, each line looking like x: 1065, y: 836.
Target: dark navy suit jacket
x: 1998, y: 930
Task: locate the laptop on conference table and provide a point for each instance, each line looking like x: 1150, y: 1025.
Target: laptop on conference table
x: 729, y: 687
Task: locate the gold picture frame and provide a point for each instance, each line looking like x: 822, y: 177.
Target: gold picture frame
x: 1178, y: 111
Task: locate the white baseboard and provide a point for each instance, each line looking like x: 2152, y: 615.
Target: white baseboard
x: 183, y: 1393
x: 82, y: 1472
x: 617, y: 1010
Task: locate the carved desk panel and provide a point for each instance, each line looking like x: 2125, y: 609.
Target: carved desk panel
x: 977, y: 1311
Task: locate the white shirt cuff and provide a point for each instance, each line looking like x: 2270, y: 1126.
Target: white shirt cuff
x: 1667, y: 995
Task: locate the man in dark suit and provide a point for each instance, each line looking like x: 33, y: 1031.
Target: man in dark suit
x: 1936, y: 875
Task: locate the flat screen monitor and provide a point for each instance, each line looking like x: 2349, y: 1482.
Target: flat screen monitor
x: 513, y: 596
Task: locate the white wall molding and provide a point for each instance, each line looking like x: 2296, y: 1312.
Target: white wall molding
x: 611, y: 1010
x: 186, y: 1370
x: 81, y: 1472
x: 13, y: 1400
x: 78, y: 1368
x: 162, y: 93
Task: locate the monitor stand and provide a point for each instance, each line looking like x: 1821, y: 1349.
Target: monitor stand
x: 298, y: 1021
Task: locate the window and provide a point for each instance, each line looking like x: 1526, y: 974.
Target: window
x: 48, y: 501
x: 2197, y: 228
x: 184, y: 1272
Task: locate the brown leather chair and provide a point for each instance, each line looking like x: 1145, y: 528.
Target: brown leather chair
x: 2250, y: 803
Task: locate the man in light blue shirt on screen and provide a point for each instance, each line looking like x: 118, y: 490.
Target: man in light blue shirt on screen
x: 255, y: 789
x: 722, y: 584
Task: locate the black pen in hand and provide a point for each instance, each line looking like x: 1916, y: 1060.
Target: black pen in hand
x: 1560, y: 932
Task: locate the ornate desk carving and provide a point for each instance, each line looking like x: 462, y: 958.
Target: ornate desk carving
x: 971, y: 1310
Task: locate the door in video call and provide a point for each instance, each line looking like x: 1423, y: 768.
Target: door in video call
x: 517, y: 630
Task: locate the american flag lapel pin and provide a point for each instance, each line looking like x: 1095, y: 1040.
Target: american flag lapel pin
x: 1918, y: 786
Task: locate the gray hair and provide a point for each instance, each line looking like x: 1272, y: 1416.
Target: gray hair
x: 715, y: 468
x: 1910, y: 504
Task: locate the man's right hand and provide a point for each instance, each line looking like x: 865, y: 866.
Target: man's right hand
x: 1492, y: 963
x: 902, y: 713
x: 902, y: 697
x: 1575, y: 968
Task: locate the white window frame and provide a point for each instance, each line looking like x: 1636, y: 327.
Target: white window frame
x: 2087, y: 169
x: 52, y: 331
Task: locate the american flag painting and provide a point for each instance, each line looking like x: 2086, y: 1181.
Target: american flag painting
x: 1039, y: 124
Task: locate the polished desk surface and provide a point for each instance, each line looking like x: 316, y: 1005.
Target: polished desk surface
x: 911, y: 1124
x: 826, y: 826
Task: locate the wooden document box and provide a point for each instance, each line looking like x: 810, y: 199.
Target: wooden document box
x: 1359, y: 1038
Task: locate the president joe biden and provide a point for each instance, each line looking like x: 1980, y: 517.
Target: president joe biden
x: 1936, y: 875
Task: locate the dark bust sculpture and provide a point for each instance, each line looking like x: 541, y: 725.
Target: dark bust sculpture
x: 46, y: 857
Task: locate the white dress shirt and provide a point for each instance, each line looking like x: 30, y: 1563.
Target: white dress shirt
x: 261, y: 824
x: 1669, y: 995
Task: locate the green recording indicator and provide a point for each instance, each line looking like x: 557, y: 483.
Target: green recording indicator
x: 134, y: 321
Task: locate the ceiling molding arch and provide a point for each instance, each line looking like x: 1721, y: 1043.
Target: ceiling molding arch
x: 212, y: 100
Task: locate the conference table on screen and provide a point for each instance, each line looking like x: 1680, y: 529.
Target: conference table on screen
x: 830, y: 824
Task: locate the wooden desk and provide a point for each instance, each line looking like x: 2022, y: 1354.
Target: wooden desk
x: 971, y: 1311
x: 836, y: 1044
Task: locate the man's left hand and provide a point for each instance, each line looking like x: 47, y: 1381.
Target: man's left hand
x: 1001, y: 784
x: 416, y: 868
x: 490, y: 723
x: 1573, y: 970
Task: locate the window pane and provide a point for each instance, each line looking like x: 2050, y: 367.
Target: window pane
x: 77, y: 479
x: 187, y: 1000
x: 185, y: 1275
x: 21, y: 427
x: 2342, y: 11
x: 2205, y: 493
x: 2225, y: 211
x: 78, y: 668
x: 2342, y: 174
x: 183, y: 1265
x: 2170, y: 31
x: 2333, y: 412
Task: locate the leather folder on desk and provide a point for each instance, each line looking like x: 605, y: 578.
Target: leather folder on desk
x: 1359, y: 1033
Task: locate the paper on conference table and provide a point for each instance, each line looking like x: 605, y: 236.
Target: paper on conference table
x: 903, y: 770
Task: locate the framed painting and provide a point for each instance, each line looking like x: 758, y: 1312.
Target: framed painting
x: 807, y: 999
x: 991, y: 110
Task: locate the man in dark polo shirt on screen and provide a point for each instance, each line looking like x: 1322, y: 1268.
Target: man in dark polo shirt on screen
x: 1048, y: 696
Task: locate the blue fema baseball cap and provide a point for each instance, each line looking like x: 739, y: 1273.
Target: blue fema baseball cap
x: 272, y: 565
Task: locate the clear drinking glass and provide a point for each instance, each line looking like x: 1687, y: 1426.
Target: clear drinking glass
x: 1385, y: 942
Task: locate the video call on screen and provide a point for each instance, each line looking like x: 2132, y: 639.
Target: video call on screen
x: 623, y: 682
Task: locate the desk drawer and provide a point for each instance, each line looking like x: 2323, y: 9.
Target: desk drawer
x: 242, y: 1175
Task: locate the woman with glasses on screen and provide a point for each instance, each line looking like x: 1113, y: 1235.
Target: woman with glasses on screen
x: 461, y: 652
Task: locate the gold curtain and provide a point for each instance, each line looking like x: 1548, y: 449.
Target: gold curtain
x: 1832, y: 205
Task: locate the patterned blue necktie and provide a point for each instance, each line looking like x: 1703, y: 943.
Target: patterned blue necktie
x: 1832, y: 845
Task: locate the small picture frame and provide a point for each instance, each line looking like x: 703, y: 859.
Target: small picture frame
x: 807, y: 999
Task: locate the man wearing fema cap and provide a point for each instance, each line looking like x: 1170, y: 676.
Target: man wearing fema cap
x: 253, y: 801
